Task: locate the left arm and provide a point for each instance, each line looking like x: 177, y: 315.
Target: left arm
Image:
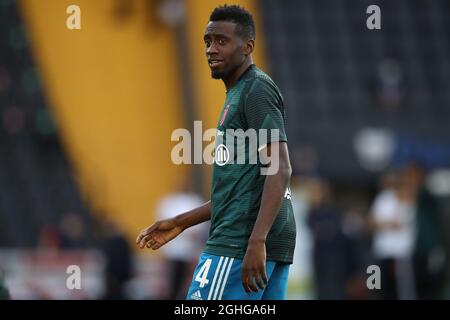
x: 254, y: 263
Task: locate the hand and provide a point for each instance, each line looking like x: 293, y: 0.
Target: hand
x: 254, y: 267
x: 158, y: 234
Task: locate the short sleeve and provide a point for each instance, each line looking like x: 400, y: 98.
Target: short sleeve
x: 264, y: 110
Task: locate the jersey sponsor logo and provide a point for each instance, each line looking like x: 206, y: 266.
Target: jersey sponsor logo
x: 222, y: 155
x: 224, y: 115
x: 196, y: 295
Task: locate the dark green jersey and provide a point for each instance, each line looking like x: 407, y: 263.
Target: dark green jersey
x: 253, y: 104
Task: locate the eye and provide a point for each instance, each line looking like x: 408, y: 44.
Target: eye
x: 222, y: 41
x: 207, y: 43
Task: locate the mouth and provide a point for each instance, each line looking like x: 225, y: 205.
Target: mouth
x: 214, y: 63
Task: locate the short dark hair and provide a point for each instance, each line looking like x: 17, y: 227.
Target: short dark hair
x: 245, y: 26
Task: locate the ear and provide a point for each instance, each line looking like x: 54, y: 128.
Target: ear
x: 249, y: 46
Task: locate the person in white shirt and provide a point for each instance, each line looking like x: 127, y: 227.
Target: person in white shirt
x: 393, y: 226
x: 181, y: 255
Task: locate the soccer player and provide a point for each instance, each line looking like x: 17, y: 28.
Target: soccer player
x: 252, y: 234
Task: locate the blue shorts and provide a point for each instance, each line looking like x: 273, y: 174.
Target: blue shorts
x: 220, y: 278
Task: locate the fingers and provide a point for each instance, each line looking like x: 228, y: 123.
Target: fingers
x: 264, y: 277
x: 141, y: 236
x: 144, y: 241
x: 248, y: 282
x: 249, y: 278
x: 145, y: 235
x: 153, y: 244
x: 259, y: 282
x: 251, y: 283
x: 245, y: 283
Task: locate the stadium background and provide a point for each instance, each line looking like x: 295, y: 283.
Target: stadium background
x: 87, y: 116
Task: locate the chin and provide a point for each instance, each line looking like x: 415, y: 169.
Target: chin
x: 220, y: 73
x: 217, y: 74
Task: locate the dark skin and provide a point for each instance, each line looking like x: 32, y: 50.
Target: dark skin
x: 254, y: 264
x: 229, y: 55
x: 232, y: 52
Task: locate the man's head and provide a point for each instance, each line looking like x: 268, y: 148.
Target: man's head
x: 229, y: 39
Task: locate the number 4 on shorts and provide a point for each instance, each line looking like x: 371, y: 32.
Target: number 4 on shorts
x: 202, y: 275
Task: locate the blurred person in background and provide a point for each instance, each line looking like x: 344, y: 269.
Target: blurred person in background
x: 49, y: 238
x: 69, y: 234
x: 430, y: 252
x: 72, y: 232
x: 304, y: 170
x: 356, y: 235
x: 181, y: 255
x: 301, y: 273
x: 334, y: 252
x: 4, y: 293
x: 389, y: 85
x: 118, y: 258
x: 392, y: 222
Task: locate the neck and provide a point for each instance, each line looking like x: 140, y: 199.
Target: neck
x: 232, y: 79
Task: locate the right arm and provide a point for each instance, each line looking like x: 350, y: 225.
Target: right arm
x: 162, y: 231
